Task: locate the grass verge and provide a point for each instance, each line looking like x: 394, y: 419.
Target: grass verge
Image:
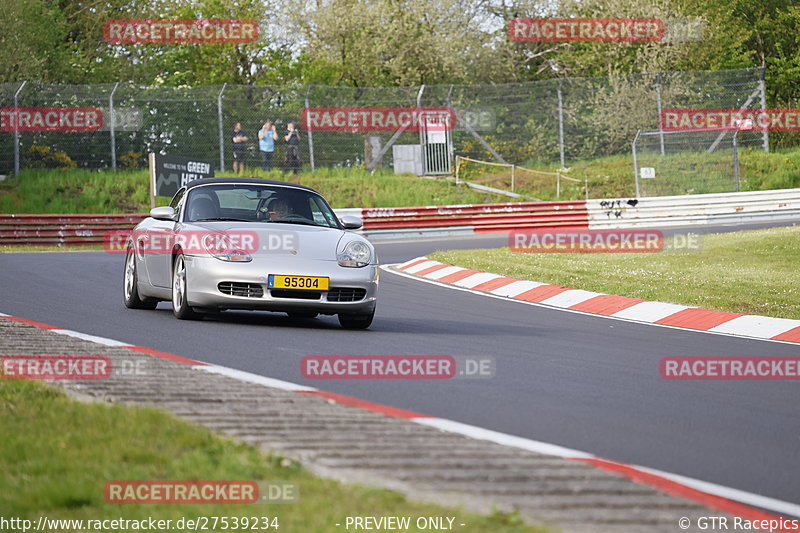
x: 57, y: 454
x: 752, y: 272
x: 612, y: 176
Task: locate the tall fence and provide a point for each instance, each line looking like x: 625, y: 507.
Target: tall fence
x: 686, y: 162
x: 559, y: 120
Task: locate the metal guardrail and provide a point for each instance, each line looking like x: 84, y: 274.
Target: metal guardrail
x: 448, y: 220
x: 73, y: 230
x: 62, y: 230
x: 481, y: 218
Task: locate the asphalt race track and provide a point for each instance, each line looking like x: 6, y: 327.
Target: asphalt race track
x: 580, y: 381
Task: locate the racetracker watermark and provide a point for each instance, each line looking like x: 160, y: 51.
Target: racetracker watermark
x: 555, y: 30
x: 730, y: 368
x: 51, y: 119
x: 396, y: 367
x: 55, y: 367
x: 377, y: 118
x: 623, y: 241
x: 153, y: 242
x: 200, y: 492
x: 477, y: 119
x: 125, y: 31
x: 687, y: 119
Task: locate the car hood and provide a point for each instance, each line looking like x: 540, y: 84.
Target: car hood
x: 307, y: 242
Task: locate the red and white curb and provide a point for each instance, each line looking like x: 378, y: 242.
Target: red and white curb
x: 608, y: 305
x: 736, y: 502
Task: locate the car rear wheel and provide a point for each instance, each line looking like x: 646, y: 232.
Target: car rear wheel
x: 180, y: 305
x: 130, y: 286
x: 356, y: 321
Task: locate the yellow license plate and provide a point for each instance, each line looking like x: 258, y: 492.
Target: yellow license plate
x: 312, y: 283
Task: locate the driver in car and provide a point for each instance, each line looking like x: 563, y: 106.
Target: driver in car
x: 277, y: 208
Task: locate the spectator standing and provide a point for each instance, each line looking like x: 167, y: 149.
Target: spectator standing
x: 266, y: 144
x: 292, y: 139
x: 239, y: 148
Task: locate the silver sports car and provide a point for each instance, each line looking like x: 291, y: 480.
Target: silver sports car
x: 246, y: 243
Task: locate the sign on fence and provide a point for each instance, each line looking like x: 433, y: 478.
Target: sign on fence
x: 168, y: 173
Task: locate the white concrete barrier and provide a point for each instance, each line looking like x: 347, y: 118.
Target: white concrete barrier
x: 697, y: 209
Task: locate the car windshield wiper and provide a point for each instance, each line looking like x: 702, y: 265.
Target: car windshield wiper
x: 221, y: 219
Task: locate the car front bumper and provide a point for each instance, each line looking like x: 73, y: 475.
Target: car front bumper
x: 204, y: 275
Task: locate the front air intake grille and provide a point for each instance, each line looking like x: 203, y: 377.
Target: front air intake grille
x: 346, y: 295
x: 248, y: 290
x: 295, y: 294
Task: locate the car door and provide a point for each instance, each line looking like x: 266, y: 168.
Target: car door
x: 161, y: 235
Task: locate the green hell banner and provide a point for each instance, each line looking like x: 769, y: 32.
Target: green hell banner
x: 168, y: 173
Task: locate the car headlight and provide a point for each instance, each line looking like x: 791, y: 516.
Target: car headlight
x: 220, y: 247
x: 356, y: 254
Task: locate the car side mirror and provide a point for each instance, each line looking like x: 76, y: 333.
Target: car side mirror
x: 351, y: 222
x: 163, y: 213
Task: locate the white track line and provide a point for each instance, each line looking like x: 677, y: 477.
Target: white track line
x: 92, y: 338
x: 756, y: 500
x: 505, y: 439
x: 254, y: 378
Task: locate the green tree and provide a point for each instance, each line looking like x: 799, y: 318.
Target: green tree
x: 403, y: 42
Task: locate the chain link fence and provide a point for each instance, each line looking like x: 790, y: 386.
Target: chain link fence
x: 553, y: 121
x: 678, y: 162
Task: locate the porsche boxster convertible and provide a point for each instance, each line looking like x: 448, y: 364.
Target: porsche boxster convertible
x: 247, y: 243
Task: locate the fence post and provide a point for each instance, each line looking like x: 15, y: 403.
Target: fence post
x: 512, y: 178
x: 16, y: 129
x: 586, y: 188
x: 658, y: 99
x: 736, y: 160
x: 636, y: 162
x: 113, y: 126
x: 765, y: 132
x: 423, y: 141
x: 310, y: 135
x: 561, y: 124
x: 221, y: 133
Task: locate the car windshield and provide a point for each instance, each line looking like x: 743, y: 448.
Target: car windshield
x: 258, y: 203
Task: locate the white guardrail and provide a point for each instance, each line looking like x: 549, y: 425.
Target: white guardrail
x: 697, y: 209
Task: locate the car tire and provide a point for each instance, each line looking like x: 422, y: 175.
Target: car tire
x: 130, y: 285
x: 349, y: 321
x: 302, y: 314
x: 180, y: 306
